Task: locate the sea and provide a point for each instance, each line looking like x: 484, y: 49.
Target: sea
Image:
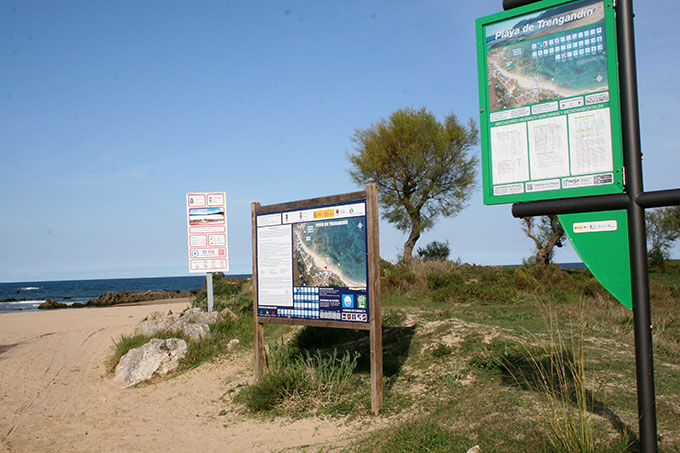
x: 26, y: 296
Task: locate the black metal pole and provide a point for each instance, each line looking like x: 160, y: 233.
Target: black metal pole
x: 632, y: 157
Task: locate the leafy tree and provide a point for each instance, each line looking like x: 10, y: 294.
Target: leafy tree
x: 547, y: 233
x: 435, y: 251
x: 422, y: 168
x: 663, y: 228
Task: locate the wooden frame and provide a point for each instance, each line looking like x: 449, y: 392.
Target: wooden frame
x: 370, y: 196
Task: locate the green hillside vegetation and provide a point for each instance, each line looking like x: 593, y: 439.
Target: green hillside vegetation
x: 513, y: 359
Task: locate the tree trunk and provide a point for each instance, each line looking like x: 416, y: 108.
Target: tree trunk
x: 409, y: 245
x: 414, y: 235
x: 544, y: 254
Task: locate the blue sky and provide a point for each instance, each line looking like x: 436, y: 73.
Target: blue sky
x: 110, y: 112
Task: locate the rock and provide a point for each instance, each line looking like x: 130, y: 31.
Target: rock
x: 154, y: 359
x: 156, y: 322
x: 49, y: 304
x: 196, y: 331
x: 197, y: 315
x: 227, y: 313
x: 123, y: 297
x: 233, y: 344
x: 194, y: 323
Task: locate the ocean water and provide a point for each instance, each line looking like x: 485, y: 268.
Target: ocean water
x: 31, y: 294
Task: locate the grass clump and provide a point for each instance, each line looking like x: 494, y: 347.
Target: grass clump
x: 421, y: 435
x: 228, y: 292
x: 301, y: 383
x: 122, y: 346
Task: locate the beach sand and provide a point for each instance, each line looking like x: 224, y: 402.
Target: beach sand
x: 56, y: 394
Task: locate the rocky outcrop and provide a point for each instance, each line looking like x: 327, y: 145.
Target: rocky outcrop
x: 155, y: 359
x: 124, y: 297
x: 49, y: 304
x: 194, y: 322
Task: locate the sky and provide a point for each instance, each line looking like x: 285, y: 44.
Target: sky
x: 110, y: 112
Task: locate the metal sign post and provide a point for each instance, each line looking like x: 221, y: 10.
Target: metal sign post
x: 209, y: 288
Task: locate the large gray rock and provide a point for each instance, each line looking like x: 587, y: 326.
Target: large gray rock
x: 194, y: 322
x: 156, y: 358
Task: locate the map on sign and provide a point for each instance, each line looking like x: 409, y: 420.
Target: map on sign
x: 570, y: 61
x: 330, y: 253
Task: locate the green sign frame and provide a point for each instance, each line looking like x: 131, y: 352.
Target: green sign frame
x: 550, y: 120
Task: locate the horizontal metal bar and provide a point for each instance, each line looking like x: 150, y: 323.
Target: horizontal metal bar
x: 659, y: 198
x: 571, y: 205
x: 509, y: 4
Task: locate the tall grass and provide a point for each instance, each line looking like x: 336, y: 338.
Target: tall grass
x: 561, y: 380
x: 297, y: 383
x: 557, y: 372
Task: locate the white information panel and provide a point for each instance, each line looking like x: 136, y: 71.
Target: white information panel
x: 207, y: 232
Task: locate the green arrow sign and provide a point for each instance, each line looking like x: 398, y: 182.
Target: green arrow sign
x: 601, y: 240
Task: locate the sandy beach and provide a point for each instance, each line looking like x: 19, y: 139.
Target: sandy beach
x: 56, y: 394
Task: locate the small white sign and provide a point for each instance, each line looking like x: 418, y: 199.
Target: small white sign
x: 207, y: 213
x: 595, y: 227
x: 540, y: 186
x: 508, y: 189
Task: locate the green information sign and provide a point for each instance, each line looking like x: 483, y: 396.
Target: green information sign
x: 548, y: 89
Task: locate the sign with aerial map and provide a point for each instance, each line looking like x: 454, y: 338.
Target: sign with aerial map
x: 312, y: 263
x: 316, y: 263
x: 550, y: 123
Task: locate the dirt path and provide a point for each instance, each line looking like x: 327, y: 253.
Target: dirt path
x: 55, y: 394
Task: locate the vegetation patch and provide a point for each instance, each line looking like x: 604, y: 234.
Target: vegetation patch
x: 302, y: 383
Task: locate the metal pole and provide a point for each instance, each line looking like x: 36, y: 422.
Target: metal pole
x: 208, y: 279
x: 632, y: 156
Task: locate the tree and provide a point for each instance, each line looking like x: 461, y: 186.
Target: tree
x: 422, y: 168
x: 435, y: 250
x: 547, y: 233
x: 663, y: 228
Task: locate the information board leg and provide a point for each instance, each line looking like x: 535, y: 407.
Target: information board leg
x: 258, y: 344
x: 376, y: 370
x: 259, y: 350
x: 373, y: 249
x: 209, y: 287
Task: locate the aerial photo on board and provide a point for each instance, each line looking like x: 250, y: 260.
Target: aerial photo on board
x: 330, y: 253
x: 559, y: 61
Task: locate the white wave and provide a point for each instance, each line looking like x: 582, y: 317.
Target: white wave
x: 25, y: 302
x: 29, y: 288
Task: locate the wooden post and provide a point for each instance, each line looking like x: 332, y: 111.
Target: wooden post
x: 259, y: 327
x: 373, y: 249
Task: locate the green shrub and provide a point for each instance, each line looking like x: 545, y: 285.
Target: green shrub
x: 435, y: 251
